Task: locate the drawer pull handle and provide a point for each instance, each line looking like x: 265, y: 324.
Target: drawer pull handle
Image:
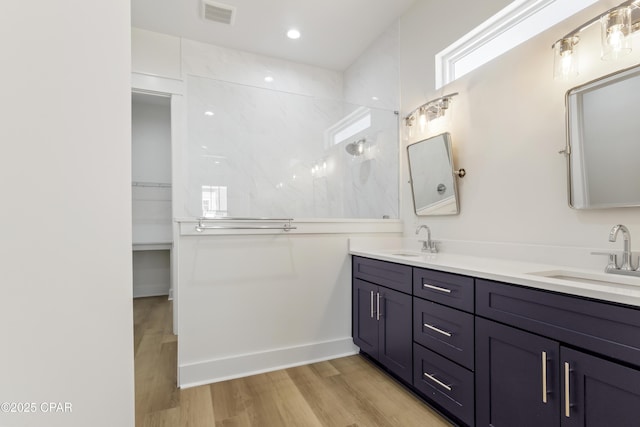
x: 437, y: 381
x: 436, y: 288
x: 372, y: 304
x: 433, y: 328
x: 544, y: 377
x: 378, y: 307
x: 567, y: 400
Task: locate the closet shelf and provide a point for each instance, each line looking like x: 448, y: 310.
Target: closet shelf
x: 150, y: 184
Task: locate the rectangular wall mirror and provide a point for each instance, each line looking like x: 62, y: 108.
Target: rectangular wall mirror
x: 603, y: 142
x: 432, y: 176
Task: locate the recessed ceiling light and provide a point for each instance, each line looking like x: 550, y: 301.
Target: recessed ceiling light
x: 293, y: 34
x: 374, y: 98
x: 268, y: 79
x: 209, y: 113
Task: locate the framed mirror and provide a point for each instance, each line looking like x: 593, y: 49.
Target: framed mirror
x: 603, y: 142
x: 432, y: 176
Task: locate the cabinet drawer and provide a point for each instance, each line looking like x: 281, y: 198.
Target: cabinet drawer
x: 388, y: 274
x: 608, y: 329
x: 444, y: 288
x: 444, y: 330
x: 444, y: 382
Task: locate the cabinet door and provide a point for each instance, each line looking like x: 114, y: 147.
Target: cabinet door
x: 364, y: 317
x: 396, y: 346
x: 517, y: 377
x: 600, y: 393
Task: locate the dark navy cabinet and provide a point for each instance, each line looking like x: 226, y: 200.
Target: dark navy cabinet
x: 418, y: 324
x: 549, y: 359
x: 492, y: 354
x: 365, y: 324
x: 517, y: 377
x: 598, y: 392
x: 381, y: 321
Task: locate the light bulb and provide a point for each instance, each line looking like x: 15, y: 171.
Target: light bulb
x: 615, y: 30
x: 565, y: 58
x: 565, y: 63
x: 422, y: 119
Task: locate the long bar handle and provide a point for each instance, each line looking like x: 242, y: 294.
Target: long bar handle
x: 372, y: 304
x: 378, y: 307
x: 440, y: 331
x: 544, y: 377
x: 567, y: 400
x: 436, y: 288
x: 437, y: 381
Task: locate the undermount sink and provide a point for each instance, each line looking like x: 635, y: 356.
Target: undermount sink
x: 407, y: 254
x: 588, y: 278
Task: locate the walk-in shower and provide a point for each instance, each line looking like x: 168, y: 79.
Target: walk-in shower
x: 258, y: 152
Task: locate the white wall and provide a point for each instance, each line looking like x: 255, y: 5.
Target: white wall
x: 151, y: 139
x: 508, y: 125
x: 65, y: 179
x: 251, y: 303
x: 156, y: 54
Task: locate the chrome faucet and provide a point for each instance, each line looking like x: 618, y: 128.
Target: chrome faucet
x: 627, y: 263
x: 427, y: 245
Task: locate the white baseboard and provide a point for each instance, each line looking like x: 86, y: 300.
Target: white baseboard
x: 244, y: 365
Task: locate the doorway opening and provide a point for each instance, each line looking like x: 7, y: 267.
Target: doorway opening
x: 152, y: 233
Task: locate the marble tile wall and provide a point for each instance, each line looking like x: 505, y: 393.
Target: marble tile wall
x: 230, y: 65
x: 374, y: 78
x: 270, y: 146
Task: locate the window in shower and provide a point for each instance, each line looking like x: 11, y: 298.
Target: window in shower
x: 350, y: 126
x: 214, y: 201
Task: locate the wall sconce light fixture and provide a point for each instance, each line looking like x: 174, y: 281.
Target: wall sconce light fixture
x: 617, y: 24
x: 429, y: 111
x: 615, y: 30
x: 356, y: 148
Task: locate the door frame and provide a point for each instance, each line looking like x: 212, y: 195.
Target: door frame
x: 174, y: 89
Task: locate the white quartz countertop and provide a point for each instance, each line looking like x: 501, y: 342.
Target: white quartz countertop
x: 581, y: 282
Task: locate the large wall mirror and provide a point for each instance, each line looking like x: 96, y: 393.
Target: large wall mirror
x: 603, y: 142
x: 432, y: 176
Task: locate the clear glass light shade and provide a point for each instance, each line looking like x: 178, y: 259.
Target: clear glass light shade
x: 422, y: 119
x: 616, y: 31
x: 565, y: 60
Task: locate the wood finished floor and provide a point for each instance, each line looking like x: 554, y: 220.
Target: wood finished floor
x: 345, y: 392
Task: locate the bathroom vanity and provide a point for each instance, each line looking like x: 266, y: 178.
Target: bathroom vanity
x: 489, y: 344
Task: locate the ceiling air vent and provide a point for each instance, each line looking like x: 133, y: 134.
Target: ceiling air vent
x: 218, y: 12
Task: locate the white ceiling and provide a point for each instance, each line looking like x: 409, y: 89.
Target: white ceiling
x: 334, y: 32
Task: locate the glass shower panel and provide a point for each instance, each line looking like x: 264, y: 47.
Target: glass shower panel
x: 255, y: 152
